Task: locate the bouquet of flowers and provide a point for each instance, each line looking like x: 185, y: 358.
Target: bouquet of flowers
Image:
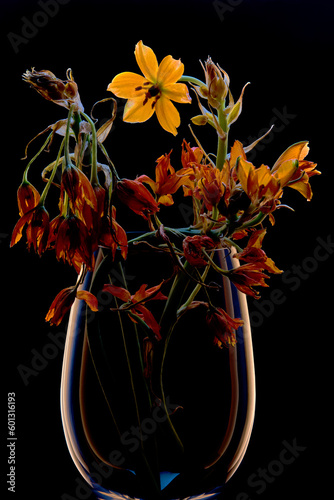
x: 230, y: 199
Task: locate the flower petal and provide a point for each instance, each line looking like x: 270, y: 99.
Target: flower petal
x: 167, y: 115
x: 147, y: 61
x: 170, y: 71
x: 89, y: 298
x: 178, y: 92
x: 117, y: 291
x: 125, y: 84
x: 137, y: 112
x: 296, y: 151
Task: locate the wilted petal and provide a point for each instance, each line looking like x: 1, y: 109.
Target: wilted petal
x: 89, y: 298
x: 117, y: 291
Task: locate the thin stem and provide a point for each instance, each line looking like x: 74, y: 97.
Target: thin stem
x: 163, y: 398
x: 67, y: 137
x: 191, y: 79
x: 194, y: 292
x: 53, y: 173
x: 222, y: 142
x: 25, y: 173
x: 93, y: 174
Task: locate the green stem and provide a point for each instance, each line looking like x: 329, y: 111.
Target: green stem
x: 67, y: 138
x: 222, y: 142
x: 194, y: 292
x: 93, y: 175
x: 25, y: 173
x: 53, y: 173
x: 191, y: 79
x: 163, y: 398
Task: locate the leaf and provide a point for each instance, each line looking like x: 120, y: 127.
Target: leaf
x: 236, y: 110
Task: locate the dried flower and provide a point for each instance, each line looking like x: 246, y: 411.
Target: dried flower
x: 62, y: 92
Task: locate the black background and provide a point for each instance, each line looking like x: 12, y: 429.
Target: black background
x: 285, y: 49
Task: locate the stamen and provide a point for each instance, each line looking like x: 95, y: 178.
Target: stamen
x: 138, y: 88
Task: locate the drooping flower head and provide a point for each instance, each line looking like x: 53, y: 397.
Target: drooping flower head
x: 62, y: 92
x: 153, y: 91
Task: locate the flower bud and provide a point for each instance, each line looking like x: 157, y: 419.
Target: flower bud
x: 217, y: 84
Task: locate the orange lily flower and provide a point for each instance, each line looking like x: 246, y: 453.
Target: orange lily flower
x: 223, y: 326
x: 167, y: 180
x: 247, y: 276
x: 135, y: 303
x: 27, y: 197
x: 112, y: 235
x: 64, y: 300
x: 260, y: 184
x: 210, y: 186
x: 82, y: 198
x: 154, y: 91
x: 72, y: 243
x: 253, y: 253
x: 37, y: 230
x: 137, y: 197
x: 305, y: 170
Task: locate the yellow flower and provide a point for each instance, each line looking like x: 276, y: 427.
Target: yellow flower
x: 154, y: 91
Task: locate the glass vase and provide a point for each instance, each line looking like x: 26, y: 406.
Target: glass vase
x: 128, y: 438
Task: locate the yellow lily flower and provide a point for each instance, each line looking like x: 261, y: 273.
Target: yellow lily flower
x: 152, y: 92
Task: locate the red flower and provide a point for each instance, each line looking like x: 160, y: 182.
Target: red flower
x: 193, y: 249
x: 135, y: 303
x: 64, y: 300
x: 223, y: 326
x: 72, y: 242
x: 253, y: 253
x: 27, y: 197
x: 137, y: 197
x: 167, y: 180
x: 37, y: 231
x: 246, y: 277
x: 81, y: 195
x: 112, y: 235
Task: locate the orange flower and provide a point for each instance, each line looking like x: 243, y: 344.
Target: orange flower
x: 167, y: 180
x: 154, y: 91
x: 246, y: 277
x: 210, y: 186
x: 305, y: 170
x: 72, y: 242
x: 27, y: 197
x: 64, y: 300
x: 81, y: 195
x: 112, y: 235
x: 134, y: 303
x: 62, y: 92
x: 137, y: 197
x: 37, y: 230
x: 253, y: 253
x: 223, y: 326
x: 193, y: 249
